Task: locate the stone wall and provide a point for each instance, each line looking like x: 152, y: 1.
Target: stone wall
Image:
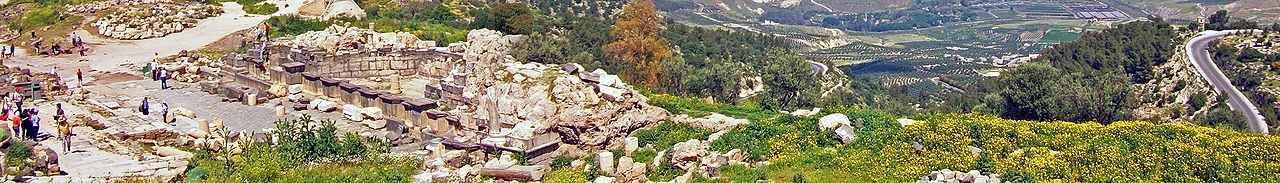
x: 424, y: 62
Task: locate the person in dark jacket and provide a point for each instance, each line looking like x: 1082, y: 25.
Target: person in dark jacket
x: 145, y: 108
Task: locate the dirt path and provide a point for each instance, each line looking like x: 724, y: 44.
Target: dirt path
x: 115, y: 55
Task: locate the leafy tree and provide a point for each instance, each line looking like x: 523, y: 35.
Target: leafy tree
x: 511, y: 18
x: 638, y: 42
x: 1198, y: 100
x: 789, y: 79
x: 1222, y: 115
x: 1037, y: 91
x: 1218, y: 20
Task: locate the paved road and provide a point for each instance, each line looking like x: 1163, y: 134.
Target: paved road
x: 1196, y: 51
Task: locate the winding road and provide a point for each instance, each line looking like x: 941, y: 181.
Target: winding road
x: 1198, y: 53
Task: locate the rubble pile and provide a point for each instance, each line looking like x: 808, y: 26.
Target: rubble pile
x: 94, y: 7
x: 585, y: 108
x: 947, y: 175
x: 344, y: 8
x: 347, y: 38
x: 192, y: 68
x: 142, y: 22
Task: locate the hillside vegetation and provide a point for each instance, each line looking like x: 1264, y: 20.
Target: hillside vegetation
x: 1122, y: 151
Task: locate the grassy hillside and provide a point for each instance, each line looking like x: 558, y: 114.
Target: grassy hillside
x: 1124, y: 151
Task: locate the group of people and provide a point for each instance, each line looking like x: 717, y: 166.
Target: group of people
x: 8, y: 51
x: 25, y: 122
x: 78, y: 43
x: 156, y: 72
x: 56, y: 49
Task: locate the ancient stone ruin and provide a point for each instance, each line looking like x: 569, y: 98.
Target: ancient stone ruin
x: 450, y: 103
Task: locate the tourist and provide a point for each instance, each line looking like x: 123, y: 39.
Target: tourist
x: 80, y: 77
x: 35, y: 125
x: 64, y: 128
x: 17, y: 97
x: 64, y: 135
x: 164, y: 79
x: 55, y: 50
x: 59, y: 114
x: 24, y: 122
x: 266, y: 29
x: 16, y: 124
x: 164, y: 115
x: 145, y: 109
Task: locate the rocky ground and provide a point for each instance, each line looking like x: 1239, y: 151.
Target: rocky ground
x: 348, y: 38
x: 1161, y: 98
x: 142, y: 22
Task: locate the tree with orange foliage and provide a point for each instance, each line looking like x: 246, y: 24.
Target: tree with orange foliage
x: 639, y: 42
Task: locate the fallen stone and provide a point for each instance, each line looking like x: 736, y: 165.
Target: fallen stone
x: 172, y: 152
x: 846, y: 133
x: 295, y: 89
x: 352, y: 112
x: 689, y: 150
x: 524, y: 129
x: 375, y: 124
x: 603, y: 179
x: 904, y: 121
x: 197, y: 133
x: 832, y: 121
x: 183, y: 112
x: 609, y: 93
x: 624, y: 165
x: 604, y: 160
x: 631, y: 144
x: 371, y: 113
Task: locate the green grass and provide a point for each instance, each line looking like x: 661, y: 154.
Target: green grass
x: 1059, y: 36
x: 667, y: 134
x: 290, y: 25
x: 308, y: 154
x: 252, y: 6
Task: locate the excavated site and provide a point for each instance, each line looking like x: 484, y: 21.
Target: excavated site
x: 448, y: 105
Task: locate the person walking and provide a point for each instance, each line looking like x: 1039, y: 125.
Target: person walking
x: 64, y: 128
x: 17, y: 97
x: 34, y: 130
x: 164, y: 114
x: 145, y: 108
x: 80, y: 77
x: 164, y: 79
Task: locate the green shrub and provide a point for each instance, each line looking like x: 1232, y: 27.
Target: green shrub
x: 37, y: 17
x: 739, y: 173
x: 197, y: 173
x: 289, y: 25
x: 664, y: 172
x: 566, y: 175
x: 644, y: 155
x: 16, y: 153
x: 261, y: 9
x: 308, y: 153
x: 667, y: 134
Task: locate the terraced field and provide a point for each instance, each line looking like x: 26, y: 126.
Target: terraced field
x: 990, y: 36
